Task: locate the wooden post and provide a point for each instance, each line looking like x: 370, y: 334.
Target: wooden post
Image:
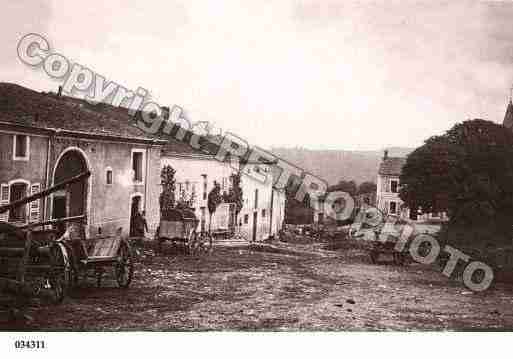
x: 21, y: 295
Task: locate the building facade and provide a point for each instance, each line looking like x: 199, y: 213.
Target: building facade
x: 262, y: 213
x: 387, y: 192
x: 35, y: 155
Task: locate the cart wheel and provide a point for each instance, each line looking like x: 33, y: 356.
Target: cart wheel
x: 124, y: 269
x: 60, y: 274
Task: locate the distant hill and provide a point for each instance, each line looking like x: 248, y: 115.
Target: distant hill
x: 334, y: 165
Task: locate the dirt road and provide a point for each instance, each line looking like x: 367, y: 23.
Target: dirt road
x: 279, y: 287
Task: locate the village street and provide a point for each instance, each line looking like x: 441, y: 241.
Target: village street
x: 279, y: 286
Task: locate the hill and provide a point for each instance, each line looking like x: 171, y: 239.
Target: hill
x: 336, y: 165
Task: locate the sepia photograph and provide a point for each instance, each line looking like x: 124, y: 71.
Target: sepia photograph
x: 255, y: 173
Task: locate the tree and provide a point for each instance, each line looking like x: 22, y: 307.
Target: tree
x: 297, y: 212
x: 235, y: 194
x: 167, y: 197
x: 366, y: 187
x: 213, y: 200
x: 466, y: 172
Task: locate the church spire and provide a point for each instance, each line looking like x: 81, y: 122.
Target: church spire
x: 508, y: 117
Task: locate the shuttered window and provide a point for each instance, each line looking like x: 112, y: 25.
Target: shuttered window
x: 35, y: 205
x: 4, y: 199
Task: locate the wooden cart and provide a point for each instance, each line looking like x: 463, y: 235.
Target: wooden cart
x: 94, y: 257
x: 35, y: 262
x: 179, y: 227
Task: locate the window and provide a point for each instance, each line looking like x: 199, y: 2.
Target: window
x: 393, y: 208
x: 263, y: 213
x: 21, y: 145
x: 256, y: 198
x: 137, y: 165
x: 246, y: 219
x: 108, y: 176
x: 18, y: 191
x: 394, y: 184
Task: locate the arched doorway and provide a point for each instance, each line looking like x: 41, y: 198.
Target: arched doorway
x: 135, y: 209
x: 71, y: 201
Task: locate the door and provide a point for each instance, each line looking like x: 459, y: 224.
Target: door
x: 255, y: 217
x: 59, y: 205
x: 134, y: 210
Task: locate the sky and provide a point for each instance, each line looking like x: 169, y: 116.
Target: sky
x: 313, y: 74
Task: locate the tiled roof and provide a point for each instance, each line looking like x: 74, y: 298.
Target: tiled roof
x: 22, y: 106
x: 391, y: 166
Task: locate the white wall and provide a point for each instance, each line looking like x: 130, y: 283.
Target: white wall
x: 384, y: 196
x: 191, y: 168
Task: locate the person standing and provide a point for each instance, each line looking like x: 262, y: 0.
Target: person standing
x: 144, y: 224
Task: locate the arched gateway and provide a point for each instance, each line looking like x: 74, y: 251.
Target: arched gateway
x: 71, y: 201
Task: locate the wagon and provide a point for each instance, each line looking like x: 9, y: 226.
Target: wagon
x: 178, y: 226
x: 383, y: 247
x: 37, y: 261
x: 94, y: 257
x: 31, y: 264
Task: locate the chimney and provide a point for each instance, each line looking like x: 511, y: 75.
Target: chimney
x: 385, y: 155
x: 59, y: 93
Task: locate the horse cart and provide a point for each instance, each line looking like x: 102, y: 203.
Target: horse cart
x: 178, y: 226
x: 36, y: 259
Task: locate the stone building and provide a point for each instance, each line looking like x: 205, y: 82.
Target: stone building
x: 263, y: 208
x: 387, y: 192
x: 46, y: 138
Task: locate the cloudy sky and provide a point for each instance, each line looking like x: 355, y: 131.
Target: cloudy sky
x: 315, y: 74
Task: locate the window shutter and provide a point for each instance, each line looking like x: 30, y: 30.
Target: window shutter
x: 34, y: 205
x: 4, y: 199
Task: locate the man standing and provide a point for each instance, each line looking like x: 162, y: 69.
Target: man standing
x: 144, y: 224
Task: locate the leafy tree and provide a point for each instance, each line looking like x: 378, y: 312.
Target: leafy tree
x: 297, y: 212
x: 167, y: 197
x: 235, y: 194
x: 466, y: 172
x: 366, y: 187
x: 213, y: 200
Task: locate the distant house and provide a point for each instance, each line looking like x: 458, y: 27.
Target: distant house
x: 46, y: 138
x: 387, y: 193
